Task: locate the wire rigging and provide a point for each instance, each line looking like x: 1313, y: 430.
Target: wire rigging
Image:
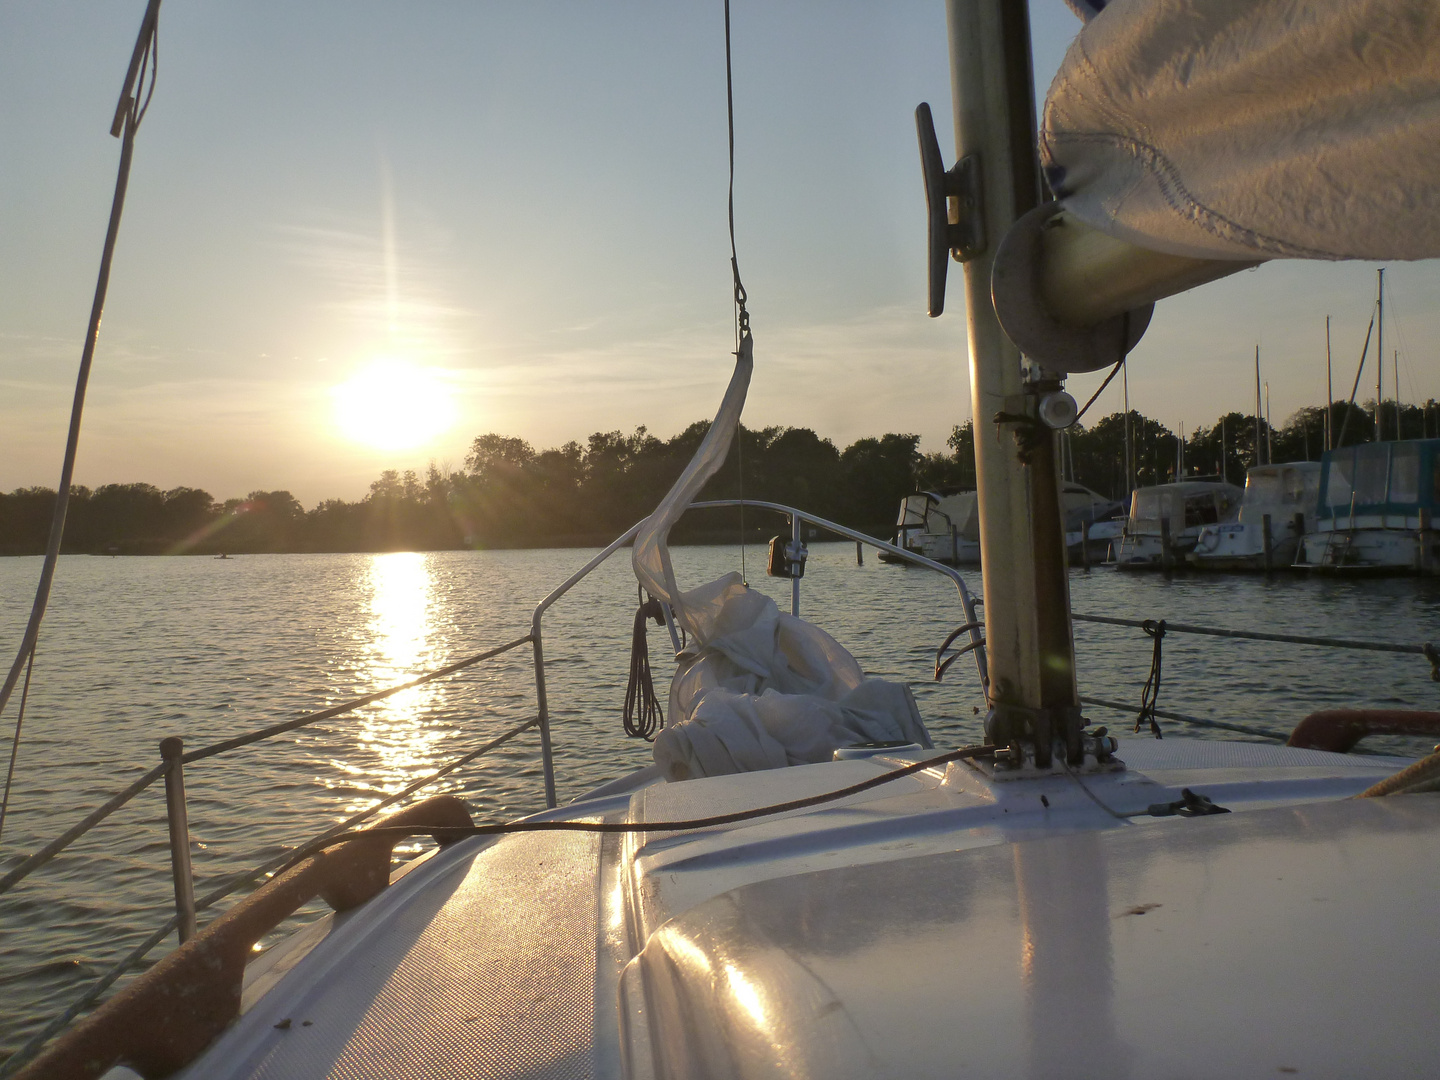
x: 742, y: 316
x: 128, y: 114
x: 1359, y: 371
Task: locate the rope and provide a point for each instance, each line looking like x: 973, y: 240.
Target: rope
x: 1426, y: 650
x: 742, y: 320
x: 1150, y: 695
x: 642, y: 711
x: 1113, y: 372
x: 1423, y: 775
x: 129, y: 113
x: 450, y: 834
x: 742, y: 316
x: 1164, y: 714
x: 15, y: 742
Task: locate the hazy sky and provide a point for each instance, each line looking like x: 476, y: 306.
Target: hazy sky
x: 518, y: 210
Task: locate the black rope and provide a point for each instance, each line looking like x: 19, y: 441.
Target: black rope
x: 643, y: 716
x: 742, y: 321
x: 1113, y: 372
x: 742, y: 316
x: 1150, y: 695
x: 449, y: 834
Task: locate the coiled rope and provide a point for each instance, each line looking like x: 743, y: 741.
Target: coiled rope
x: 144, y: 61
x: 1150, y: 695
x: 643, y: 716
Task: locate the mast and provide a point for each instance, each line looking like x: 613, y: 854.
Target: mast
x: 1329, y: 391
x: 1257, y: 406
x: 1129, y: 452
x: 1027, y: 604
x: 1395, y: 355
x: 1269, y: 428
x: 1379, y: 351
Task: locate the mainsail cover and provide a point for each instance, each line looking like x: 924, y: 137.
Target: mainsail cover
x: 1241, y: 129
x: 755, y: 688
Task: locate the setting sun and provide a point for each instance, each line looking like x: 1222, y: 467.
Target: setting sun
x: 392, y: 405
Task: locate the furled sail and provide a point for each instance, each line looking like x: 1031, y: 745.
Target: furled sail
x: 755, y: 688
x: 1237, y: 129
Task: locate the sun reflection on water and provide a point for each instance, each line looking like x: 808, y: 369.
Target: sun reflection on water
x: 396, y: 742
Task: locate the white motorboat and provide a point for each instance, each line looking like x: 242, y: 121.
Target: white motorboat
x: 945, y: 525
x: 1166, y: 521
x: 1376, y: 513
x: 1053, y: 903
x: 1276, y: 510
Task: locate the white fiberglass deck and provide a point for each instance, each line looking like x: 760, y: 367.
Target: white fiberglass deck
x: 940, y: 926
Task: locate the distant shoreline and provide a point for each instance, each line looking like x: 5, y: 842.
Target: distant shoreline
x: 709, y: 538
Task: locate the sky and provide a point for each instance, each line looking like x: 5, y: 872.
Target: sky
x: 359, y: 234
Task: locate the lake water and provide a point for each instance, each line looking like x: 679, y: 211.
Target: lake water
x: 137, y: 649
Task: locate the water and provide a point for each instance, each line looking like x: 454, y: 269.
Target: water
x: 137, y: 649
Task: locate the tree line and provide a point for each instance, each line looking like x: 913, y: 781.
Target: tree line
x: 511, y: 495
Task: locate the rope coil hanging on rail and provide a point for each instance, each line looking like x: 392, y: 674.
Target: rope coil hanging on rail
x: 1150, y: 695
x: 643, y: 716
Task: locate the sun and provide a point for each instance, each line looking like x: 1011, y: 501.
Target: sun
x: 393, y: 405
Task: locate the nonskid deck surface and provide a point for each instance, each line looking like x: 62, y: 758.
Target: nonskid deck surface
x: 505, y: 959
x: 477, y: 965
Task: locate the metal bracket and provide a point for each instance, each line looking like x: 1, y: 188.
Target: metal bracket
x: 953, y: 207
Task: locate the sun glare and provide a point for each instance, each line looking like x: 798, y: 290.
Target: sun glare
x: 392, y: 405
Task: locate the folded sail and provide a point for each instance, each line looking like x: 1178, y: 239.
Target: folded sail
x: 1237, y: 129
x: 755, y: 688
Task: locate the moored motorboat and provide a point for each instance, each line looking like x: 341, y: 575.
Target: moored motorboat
x: 1277, y: 509
x: 1166, y: 520
x: 1376, y: 510
x: 944, y: 525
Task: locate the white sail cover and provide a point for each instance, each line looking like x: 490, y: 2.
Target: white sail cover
x: 1249, y: 129
x: 754, y: 689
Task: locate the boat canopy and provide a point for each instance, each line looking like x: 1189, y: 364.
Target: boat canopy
x: 1185, y: 505
x: 1380, y: 478
x: 1230, y: 129
x: 913, y: 509
x: 1280, y: 490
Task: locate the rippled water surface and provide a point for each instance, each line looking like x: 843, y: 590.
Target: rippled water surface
x: 137, y: 649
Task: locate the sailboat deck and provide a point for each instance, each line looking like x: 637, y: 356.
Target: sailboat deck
x: 572, y: 955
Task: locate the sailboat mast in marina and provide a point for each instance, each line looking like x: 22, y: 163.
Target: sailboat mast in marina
x: 1380, y: 354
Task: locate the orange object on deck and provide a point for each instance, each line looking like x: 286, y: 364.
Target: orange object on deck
x: 1340, y: 729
